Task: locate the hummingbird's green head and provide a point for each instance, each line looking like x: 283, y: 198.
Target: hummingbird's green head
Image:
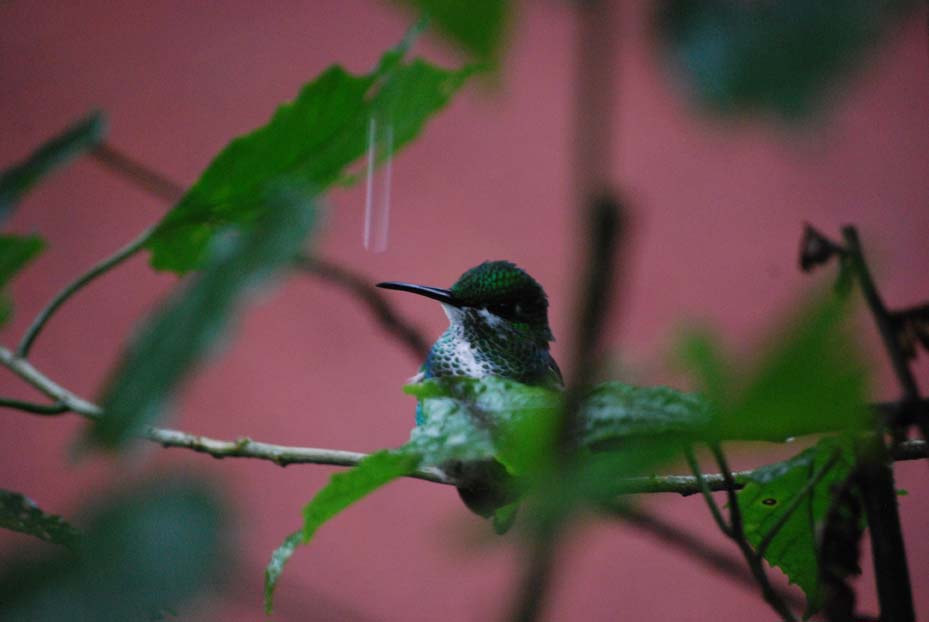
x: 494, y: 293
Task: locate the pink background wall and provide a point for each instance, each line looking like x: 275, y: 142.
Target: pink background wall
x: 718, y: 209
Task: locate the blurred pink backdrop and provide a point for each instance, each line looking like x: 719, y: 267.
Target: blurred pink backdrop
x: 718, y: 209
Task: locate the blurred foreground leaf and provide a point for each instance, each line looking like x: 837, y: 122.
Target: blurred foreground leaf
x: 780, y: 57
x: 479, y: 26
x: 17, y: 180
x: 809, y: 379
x: 19, y: 513
x: 310, y: 140
x: 766, y: 497
x: 139, y: 555
x: 614, y: 411
x: 181, y: 333
x: 15, y: 253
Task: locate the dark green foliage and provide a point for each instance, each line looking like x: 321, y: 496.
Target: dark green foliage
x: 809, y: 379
x: 840, y: 549
x: 16, y: 181
x: 15, y: 253
x: 771, y: 489
x: 780, y: 57
x: 181, y: 333
x: 310, y: 141
x: 19, y: 513
x: 479, y: 26
x: 140, y: 554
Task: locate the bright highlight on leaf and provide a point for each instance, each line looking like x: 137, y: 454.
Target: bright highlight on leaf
x: 178, y: 336
x: 16, y: 181
x: 311, y: 140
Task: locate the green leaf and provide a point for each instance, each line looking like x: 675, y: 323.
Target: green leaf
x: 493, y: 418
x: 19, y: 513
x: 343, y: 490
x: 614, y: 412
x: 182, y: 332
x: 349, y: 486
x: 17, y: 180
x: 809, y: 379
x: 782, y: 57
x: 15, y: 253
x: 310, y: 140
x: 479, y: 26
x: 140, y: 554
x: 468, y: 419
x: 766, y: 497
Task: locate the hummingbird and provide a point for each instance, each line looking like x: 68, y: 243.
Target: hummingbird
x: 498, y: 326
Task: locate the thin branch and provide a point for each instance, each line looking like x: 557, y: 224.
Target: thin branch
x: 881, y: 316
x: 754, y: 561
x: 704, y: 489
x: 379, y: 307
x: 145, y: 177
x: 894, y: 589
x: 283, y: 454
x: 35, y: 409
x: 879, y: 496
x: 75, y: 286
x: 45, y: 385
x: 280, y: 455
x: 695, y: 547
x: 163, y: 187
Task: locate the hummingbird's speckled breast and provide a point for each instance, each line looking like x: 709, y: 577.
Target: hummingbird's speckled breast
x: 477, y: 343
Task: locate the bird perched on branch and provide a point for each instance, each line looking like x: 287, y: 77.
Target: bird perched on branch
x: 498, y: 326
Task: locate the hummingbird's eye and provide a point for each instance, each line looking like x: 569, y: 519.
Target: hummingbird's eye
x: 503, y: 309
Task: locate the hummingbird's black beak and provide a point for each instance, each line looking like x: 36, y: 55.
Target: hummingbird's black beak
x: 442, y: 295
